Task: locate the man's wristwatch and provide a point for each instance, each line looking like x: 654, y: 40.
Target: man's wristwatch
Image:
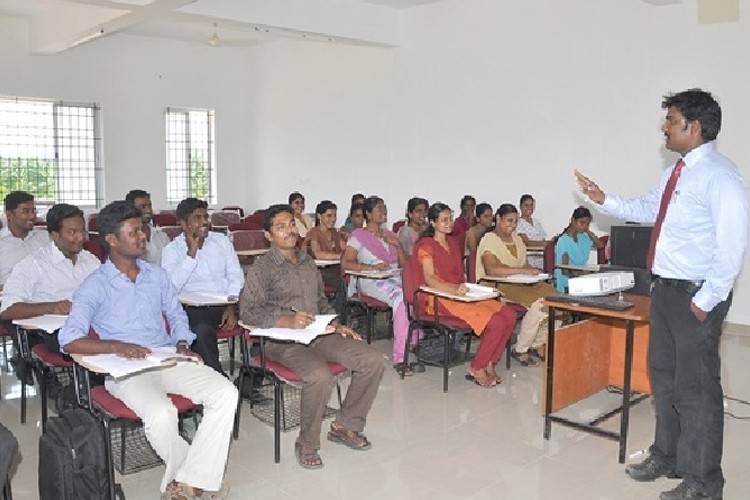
x: 182, y: 343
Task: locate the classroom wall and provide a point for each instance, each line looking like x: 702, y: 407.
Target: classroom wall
x: 489, y: 98
x: 134, y: 79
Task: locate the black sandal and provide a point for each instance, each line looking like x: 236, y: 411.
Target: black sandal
x: 524, y: 358
x: 537, y: 353
x: 403, y: 367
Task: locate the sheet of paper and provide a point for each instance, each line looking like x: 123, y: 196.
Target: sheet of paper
x: 480, y: 290
x: 118, y: 366
x: 47, y: 322
x: 303, y: 336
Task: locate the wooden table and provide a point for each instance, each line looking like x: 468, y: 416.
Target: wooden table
x: 586, y: 357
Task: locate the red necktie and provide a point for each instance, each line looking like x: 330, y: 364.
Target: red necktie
x: 666, y: 196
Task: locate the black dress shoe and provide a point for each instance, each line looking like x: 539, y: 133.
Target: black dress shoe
x: 648, y: 470
x: 15, y: 362
x: 684, y: 491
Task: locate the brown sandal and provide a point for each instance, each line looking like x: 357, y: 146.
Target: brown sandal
x: 181, y: 491
x: 492, y: 373
x: 352, y: 439
x: 307, y: 458
x: 488, y: 382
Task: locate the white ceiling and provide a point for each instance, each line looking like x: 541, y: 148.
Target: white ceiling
x: 57, y: 25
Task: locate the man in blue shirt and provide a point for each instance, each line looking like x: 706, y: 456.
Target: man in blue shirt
x: 126, y: 302
x: 698, y: 244
x: 199, y: 260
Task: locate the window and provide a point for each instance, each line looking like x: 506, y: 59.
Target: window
x: 50, y: 149
x: 191, y: 168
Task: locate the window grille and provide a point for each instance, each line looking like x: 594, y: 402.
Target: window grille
x: 191, y: 168
x: 51, y: 149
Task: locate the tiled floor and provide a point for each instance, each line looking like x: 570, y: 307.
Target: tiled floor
x: 469, y: 443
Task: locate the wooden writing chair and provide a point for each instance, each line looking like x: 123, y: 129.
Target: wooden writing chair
x: 44, y: 363
x: 93, y: 226
x: 165, y: 218
x: 220, y: 221
x: 398, y: 225
x: 95, y: 247
x: 113, y: 412
x: 234, y: 208
x: 518, y: 308
x: 361, y: 304
x: 441, y: 322
x: 280, y: 375
x: 4, y: 336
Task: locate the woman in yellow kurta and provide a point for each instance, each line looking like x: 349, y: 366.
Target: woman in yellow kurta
x: 501, y: 253
x: 441, y: 262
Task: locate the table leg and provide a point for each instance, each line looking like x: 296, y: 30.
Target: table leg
x: 550, y: 362
x: 624, y: 421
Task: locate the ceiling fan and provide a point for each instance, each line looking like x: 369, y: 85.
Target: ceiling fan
x: 217, y: 41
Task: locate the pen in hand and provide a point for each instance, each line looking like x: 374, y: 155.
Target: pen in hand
x: 300, y: 319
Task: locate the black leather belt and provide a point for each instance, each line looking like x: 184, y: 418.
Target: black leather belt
x: 688, y: 286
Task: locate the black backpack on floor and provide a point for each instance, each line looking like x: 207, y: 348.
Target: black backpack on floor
x: 72, y: 458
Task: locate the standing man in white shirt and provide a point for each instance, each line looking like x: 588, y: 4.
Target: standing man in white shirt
x: 19, y: 239
x: 156, y: 239
x: 199, y: 260
x: 697, y: 248
x: 44, y: 282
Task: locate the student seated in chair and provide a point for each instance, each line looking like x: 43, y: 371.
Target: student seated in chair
x: 156, y: 239
x: 502, y: 253
x: 409, y: 233
x: 17, y: 241
x: 355, y: 220
x: 126, y: 301
x: 357, y: 199
x: 44, y: 282
x: 484, y: 216
x: 441, y: 260
x: 284, y: 289
x: 199, y: 260
x: 323, y: 239
x: 573, y: 246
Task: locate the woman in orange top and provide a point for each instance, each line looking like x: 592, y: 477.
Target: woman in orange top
x: 441, y: 261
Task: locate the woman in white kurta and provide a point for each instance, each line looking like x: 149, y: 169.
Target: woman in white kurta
x: 530, y: 229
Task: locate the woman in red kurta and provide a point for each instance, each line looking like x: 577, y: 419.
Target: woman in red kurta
x: 441, y: 261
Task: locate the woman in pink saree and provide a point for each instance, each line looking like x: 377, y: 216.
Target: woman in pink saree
x: 373, y: 248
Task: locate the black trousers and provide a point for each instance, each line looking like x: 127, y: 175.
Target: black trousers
x: 686, y: 379
x: 204, y: 322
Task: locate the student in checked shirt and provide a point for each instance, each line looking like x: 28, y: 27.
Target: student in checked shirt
x: 284, y: 289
